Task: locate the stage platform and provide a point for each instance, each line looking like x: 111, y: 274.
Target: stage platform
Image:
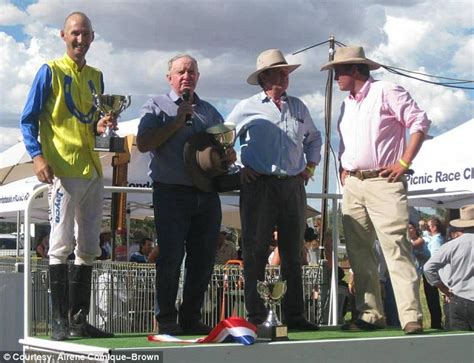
x: 324, y: 346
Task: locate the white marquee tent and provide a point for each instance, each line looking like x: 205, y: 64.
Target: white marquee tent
x: 444, y: 170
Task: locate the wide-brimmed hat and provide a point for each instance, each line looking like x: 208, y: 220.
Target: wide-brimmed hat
x: 467, y: 217
x: 203, y: 162
x: 268, y: 59
x: 350, y: 55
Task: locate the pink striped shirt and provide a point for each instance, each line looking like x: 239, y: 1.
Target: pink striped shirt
x: 373, y: 125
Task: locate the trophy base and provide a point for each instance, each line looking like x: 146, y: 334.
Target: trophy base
x: 272, y: 333
x: 110, y: 144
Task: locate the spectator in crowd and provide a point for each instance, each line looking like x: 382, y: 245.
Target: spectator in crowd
x: 423, y: 226
x: 280, y: 148
x: 420, y: 248
x: 60, y: 110
x: 311, y: 247
x: 373, y: 160
x: 42, y: 246
x: 121, y: 250
x: 186, y: 218
x: 225, y: 249
x: 145, y: 248
x: 308, y: 253
x: 453, y: 233
x: 105, y: 245
x: 433, y: 243
x: 273, y: 245
x: 154, y: 254
x: 458, y: 286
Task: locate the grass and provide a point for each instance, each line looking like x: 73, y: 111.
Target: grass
x: 326, y: 333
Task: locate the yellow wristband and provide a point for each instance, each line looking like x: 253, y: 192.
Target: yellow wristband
x: 404, y: 164
x: 310, y: 169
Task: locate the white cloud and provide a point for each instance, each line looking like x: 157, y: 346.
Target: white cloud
x: 404, y: 37
x: 315, y: 103
x: 134, y: 40
x: 10, y: 14
x: 8, y: 137
x: 463, y: 59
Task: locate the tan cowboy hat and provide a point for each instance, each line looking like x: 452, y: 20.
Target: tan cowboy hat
x: 271, y: 58
x: 203, y: 162
x: 467, y: 217
x: 350, y: 55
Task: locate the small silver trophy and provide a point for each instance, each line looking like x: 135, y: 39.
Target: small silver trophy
x: 272, y: 293
x: 223, y: 136
x: 109, y: 141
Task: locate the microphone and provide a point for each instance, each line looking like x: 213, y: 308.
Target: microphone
x: 186, y: 97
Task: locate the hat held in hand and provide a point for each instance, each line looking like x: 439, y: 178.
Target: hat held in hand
x: 206, y: 166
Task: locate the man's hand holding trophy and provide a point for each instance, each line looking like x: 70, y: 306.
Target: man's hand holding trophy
x: 111, y: 106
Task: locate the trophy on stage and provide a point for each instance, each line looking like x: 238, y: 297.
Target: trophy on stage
x: 272, y: 293
x: 114, y: 104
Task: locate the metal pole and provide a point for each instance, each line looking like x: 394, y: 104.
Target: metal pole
x: 334, y: 303
x: 18, y: 233
x: 327, y: 121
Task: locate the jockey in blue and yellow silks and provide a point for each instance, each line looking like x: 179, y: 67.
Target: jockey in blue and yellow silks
x: 60, y: 107
x: 59, y: 110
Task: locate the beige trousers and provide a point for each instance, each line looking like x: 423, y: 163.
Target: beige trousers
x: 375, y: 209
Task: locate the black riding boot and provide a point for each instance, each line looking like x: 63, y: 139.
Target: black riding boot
x: 58, y: 284
x: 79, y: 304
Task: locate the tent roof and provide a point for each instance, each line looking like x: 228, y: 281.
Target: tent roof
x: 444, y: 170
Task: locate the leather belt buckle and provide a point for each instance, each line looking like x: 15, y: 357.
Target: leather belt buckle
x: 364, y: 174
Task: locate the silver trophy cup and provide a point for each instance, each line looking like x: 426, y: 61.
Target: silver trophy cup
x: 272, y: 293
x: 110, y: 104
x: 223, y: 136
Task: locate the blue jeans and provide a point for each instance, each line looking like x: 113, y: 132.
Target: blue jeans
x: 461, y: 314
x: 186, y: 220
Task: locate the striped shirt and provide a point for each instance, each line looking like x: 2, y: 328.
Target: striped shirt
x: 373, y: 124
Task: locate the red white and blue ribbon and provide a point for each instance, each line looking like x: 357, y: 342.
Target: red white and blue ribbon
x: 233, y: 329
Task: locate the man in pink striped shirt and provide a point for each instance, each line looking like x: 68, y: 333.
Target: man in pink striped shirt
x: 374, y: 156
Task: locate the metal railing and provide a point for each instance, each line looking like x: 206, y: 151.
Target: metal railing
x: 123, y: 294
x: 333, y: 305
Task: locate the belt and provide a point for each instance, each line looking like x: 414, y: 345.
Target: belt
x: 462, y: 299
x: 279, y: 177
x: 364, y: 174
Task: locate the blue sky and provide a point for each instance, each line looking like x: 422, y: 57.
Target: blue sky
x: 134, y: 40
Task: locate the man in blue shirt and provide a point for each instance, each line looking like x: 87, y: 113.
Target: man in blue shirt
x: 280, y: 148
x: 141, y: 256
x: 186, y: 218
x: 456, y: 260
